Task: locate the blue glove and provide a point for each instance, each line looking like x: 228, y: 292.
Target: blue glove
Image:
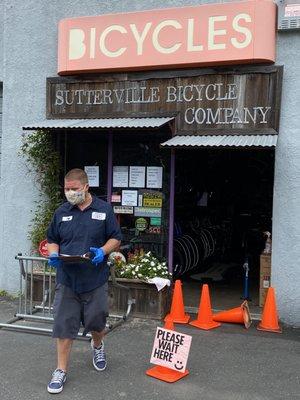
x: 99, y: 255
x: 53, y: 260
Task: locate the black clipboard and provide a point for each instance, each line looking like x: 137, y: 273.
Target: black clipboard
x: 75, y: 258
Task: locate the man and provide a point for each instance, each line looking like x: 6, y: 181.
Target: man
x: 83, y: 224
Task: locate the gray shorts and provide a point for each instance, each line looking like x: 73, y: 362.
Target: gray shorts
x: 71, y: 309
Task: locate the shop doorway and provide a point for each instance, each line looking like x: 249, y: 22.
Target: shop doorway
x: 223, y: 206
x: 141, y: 228
x: 85, y: 148
x: 141, y: 206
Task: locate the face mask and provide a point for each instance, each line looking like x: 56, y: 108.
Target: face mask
x: 75, y: 197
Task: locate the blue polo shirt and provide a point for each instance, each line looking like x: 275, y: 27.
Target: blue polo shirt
x: 75, y: 231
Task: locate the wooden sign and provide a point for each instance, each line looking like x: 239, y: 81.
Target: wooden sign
x: 202, y: 101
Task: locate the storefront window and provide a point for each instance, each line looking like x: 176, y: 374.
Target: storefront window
x: 140, y: 193
x: 86, y: 149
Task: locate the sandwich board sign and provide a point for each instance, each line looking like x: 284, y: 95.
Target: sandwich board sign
x: 171, y: 349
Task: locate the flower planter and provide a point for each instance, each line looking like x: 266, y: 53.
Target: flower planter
x: 149, y: 302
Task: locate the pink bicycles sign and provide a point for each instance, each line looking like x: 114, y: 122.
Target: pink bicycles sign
x: 210, y: 34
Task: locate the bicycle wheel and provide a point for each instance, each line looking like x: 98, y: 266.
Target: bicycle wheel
x: 190, y: 251
x: 184, y: 250
x: 181, y: 256
x: 195, y: 250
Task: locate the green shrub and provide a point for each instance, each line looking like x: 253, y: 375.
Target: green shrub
x: 43, y: 162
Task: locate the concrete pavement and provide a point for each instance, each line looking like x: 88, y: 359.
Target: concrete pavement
x: 228, y: 363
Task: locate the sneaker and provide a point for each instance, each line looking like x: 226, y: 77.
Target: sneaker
x: 56, y: 384
x: 99, y: 357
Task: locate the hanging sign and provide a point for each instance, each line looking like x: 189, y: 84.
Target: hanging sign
x: 120, y: 176
x: 147, y: 212
x: 116, y: 198
x: 129, y: 198
x: 141, y: 224
x: 152, y: 202
x: 155, y: 221
x: 137, y: 177
x: 123, y: 210
x: 171, y: 349
x: 93, y: 175
x: 140, y: 200
x: 154, y: 177
x: 151, y: 194
x: 155, y: 229
x: 210, y: 34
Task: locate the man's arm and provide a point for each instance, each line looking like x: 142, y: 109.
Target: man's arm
x: 53, y: 237
x: 53, y: 248
x: 100, y: 252
x: 111, y: 245
x: 53, y: 251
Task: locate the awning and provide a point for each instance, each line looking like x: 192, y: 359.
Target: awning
x: 104, y: 123
x: 222, y: 141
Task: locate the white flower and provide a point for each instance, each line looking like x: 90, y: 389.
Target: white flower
x: 145, y: 266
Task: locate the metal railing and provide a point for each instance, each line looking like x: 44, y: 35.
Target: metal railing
x: 32, y: 309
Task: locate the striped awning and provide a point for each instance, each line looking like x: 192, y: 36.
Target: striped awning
x: 104, y: 123
x: 222, y: 141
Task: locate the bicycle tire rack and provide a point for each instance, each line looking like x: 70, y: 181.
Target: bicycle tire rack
x: 29, y: 311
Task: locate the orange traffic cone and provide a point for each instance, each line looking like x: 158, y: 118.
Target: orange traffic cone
x: 269, y: 320
x: 205, y: 318
x: 163, y: 373
x: 166, y: 374
x: 169, y: 324
x: 238, y: 315
x: 177, y: 313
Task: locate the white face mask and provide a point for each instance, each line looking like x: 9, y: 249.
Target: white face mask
x: 75, y: 196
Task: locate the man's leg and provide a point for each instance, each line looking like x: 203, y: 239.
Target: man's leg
x: 95, y: 313
x: 63, y: 353
x: 99, y: 357
x: 58, y: 379
x: 97, y: 338
x: 66, y: 310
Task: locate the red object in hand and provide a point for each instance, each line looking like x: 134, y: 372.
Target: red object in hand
x: 43, y: 249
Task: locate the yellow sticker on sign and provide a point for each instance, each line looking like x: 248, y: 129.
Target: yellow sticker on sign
x: 152, y: 203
